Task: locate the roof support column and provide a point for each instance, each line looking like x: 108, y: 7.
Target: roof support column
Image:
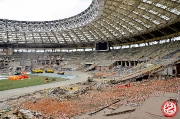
x: 170, y: 40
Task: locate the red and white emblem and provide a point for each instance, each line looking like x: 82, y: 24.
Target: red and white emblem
x: 169, y: 108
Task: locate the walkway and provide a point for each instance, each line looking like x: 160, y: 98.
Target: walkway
x: 80, y: 77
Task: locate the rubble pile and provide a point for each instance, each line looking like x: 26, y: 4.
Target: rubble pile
x: 49, y: 107
x: 88, y: 98
x: 12, y: 114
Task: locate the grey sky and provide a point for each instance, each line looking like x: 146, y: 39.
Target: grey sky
x: 41, y: 10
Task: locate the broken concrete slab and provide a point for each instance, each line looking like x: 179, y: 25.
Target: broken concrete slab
x: 121, y: 109
x: 85, y: 116
x: 100, y: 114
x: 151, y: 108
x: 103, y: 113
x: 119, y: 113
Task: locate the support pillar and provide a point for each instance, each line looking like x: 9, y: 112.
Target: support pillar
x: 125, y: 63
x: 129, y: 63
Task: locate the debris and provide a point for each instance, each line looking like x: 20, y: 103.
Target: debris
x: 88, y: 98
x: 61, y: 72
x: 14, y: 114
x: 123, y: 86
x: 133, y: 104
x: 46, y: 80
x: 90, y: 79
x: 30, y: 114
x: 103, y: 108
x: 123, y: 112
x: 6, y: 109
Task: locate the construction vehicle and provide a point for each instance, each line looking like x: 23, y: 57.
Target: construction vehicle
x: 37, y: 71
x: 61, y: 72
x: 49, y: 71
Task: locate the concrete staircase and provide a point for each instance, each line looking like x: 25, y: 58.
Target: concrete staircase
x: 90, y: 67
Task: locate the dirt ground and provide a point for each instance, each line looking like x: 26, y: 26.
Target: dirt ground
x: 78, y: 99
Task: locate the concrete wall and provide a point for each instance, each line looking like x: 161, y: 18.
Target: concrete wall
x: 168, y: 71
x: 102, y: 68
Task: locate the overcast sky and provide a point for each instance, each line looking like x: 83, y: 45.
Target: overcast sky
x: 41, y: 10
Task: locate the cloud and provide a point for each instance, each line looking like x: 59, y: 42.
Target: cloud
x: 41, y: 10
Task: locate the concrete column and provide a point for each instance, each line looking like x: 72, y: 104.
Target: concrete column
x: 125, y: 63
x: 122, y: 63
x: 170, y: 40
x: 117, y: 63
x: 10, y: 51
x: 148, y: 43
x: 129, y: 63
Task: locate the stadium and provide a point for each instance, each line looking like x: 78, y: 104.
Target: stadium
x: 130, y: 48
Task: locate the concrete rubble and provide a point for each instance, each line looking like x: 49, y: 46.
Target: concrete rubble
x: 95, y: 100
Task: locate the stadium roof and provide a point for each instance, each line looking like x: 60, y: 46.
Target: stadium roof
x: 117, y: 21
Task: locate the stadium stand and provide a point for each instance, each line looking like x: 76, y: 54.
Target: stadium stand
x: 143, y: 38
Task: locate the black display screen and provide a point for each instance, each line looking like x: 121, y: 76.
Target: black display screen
x: 102, y: 46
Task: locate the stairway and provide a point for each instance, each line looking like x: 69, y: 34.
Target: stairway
x: 90, y: 67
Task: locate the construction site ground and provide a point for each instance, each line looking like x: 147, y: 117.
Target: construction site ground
x: 101, y: 99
